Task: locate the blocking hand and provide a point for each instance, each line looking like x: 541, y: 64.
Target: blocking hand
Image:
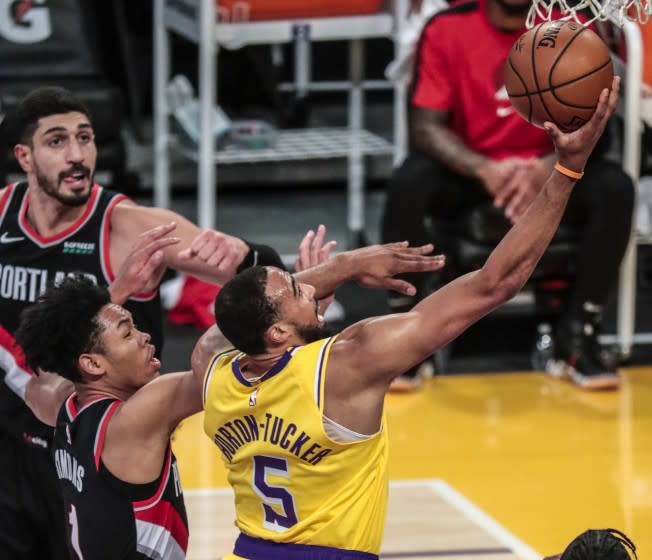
x: 313, y: 251
x: 379, y: 263
x: 143, y: 267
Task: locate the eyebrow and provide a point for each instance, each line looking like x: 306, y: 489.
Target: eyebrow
x: 63, y: 129
x: 125, y: 320
x: 294, y: 285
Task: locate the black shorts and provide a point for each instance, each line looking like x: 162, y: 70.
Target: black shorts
x: 32, y: 517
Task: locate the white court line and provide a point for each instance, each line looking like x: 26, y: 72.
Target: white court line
x: 445, y: 492
x: 483, y: 520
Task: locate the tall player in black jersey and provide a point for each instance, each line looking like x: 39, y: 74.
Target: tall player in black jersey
x: 56, y: 222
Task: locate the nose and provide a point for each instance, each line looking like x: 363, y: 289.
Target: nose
x: 75, y: 153
x: 145, y: 338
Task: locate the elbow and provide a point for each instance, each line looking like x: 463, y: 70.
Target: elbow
x: 417, y: 131
x: 509, y: 289
x: 417, y: 138
x: 500, y: 288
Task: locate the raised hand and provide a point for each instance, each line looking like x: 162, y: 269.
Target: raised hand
x: 313, y: 251
x: 143, y: 267
x: 574, y: 148
x: 217, y: 249
x: 377, y: 265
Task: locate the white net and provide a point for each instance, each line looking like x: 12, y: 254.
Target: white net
x: 615, y: 11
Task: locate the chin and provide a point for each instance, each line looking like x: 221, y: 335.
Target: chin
x: 152, y: 374
x: 78, y: 198
x: 312, y: 333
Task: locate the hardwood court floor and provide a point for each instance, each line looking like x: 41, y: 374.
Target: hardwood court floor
x: 483, y: 466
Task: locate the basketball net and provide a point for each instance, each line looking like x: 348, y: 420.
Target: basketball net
x: 615, y: 11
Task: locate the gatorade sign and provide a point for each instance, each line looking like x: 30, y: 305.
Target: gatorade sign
x: 25, y: 21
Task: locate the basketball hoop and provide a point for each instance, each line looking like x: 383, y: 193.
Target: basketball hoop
x: 615, y: 11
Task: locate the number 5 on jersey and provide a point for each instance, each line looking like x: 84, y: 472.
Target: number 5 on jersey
x: 279, y: 510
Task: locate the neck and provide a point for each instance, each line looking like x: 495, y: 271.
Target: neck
x: 47, y: 215
x: 85, y: 393
x: 257, y: 365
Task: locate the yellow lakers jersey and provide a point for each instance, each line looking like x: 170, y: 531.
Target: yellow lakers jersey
x: 292, y: 483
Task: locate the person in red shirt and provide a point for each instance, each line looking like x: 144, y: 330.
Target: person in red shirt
x: 468, y: 146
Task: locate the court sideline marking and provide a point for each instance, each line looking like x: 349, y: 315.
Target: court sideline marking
x: 447, y: 493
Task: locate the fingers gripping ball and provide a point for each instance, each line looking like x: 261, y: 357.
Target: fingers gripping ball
x: 555, y: 72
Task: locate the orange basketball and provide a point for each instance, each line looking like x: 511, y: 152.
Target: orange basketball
x: 556, y: 71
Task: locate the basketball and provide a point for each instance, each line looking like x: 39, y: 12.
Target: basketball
x: 556, y: 72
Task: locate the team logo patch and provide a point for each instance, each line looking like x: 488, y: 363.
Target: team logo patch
x: 35, y: 440
x: 6, y: 238
x: 77, y: 248
x: 252, y: 398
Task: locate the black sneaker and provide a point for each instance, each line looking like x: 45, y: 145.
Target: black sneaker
x: 580, y: 358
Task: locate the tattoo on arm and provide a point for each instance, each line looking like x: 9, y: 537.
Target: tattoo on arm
x: 430, y: 134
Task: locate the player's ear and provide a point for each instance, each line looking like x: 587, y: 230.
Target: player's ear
x: 277, y: 334
x: 91, y: 364
x: 23, y: 155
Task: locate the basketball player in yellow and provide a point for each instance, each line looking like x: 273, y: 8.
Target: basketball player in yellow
x: 298, y: 418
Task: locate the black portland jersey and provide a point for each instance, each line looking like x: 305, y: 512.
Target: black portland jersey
x: 109, y: 519
x: 28, y: 263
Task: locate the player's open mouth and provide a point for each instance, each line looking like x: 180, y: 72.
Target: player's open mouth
x: 75, y: 179
x: 153, y: 360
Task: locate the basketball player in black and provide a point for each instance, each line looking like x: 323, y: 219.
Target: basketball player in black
x: 56, y: 222
x: 112, y: 455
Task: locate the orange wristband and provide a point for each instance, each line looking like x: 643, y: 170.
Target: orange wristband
x: 569, y: 172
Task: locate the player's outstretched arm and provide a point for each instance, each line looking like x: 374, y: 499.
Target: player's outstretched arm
x: 212, y: 255
x: 373, y: 267
x: 379, y: 349
x: 45, y: 393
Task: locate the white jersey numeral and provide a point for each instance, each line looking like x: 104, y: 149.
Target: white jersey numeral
x: 74, y: 531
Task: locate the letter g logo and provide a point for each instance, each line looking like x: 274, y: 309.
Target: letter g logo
x: 24, y: 21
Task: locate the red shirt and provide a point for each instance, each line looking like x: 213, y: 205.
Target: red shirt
x: 459, y: 68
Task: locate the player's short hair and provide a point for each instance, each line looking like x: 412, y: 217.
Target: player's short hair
x: 243, y: 311
x: 600, y: 544
x: 39, y: 103
x: 62, y: 325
